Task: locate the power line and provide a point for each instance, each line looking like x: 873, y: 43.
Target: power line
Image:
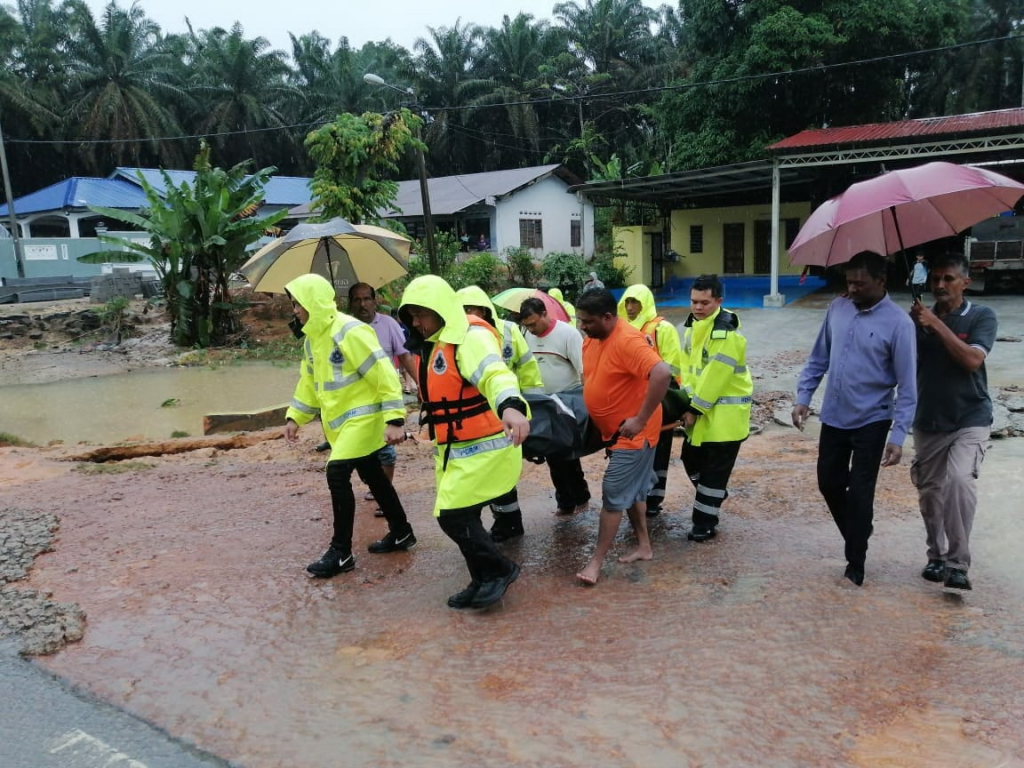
x: 560, y: 99
x: 731, y: 80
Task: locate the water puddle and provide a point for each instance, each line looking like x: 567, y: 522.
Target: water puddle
x: 106, y: 409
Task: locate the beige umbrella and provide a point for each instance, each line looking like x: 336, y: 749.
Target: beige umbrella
x: 344, y: 253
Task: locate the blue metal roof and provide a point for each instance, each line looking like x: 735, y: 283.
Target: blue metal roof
x: 280, y: 190
x: 79, y: 193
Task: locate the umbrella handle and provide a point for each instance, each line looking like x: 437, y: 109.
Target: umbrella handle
x: 899, y: 236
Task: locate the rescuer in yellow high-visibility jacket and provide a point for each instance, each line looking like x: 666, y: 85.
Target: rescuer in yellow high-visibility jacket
x: 716, y: 378
x: 478, y: 421
x: 637, y: 307
x: 347, y: 379
x: 516, y: 353
x: 570, y: 310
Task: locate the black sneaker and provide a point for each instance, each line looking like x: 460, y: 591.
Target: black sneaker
x: 503, y: 529
x: 324, y: 446
x: 956, y: 579
x: 701, y: 532
x: 464, y: 599
x: 492, y: 591
x: 332, y: 563
x: 392, y: 543
x: 653, y: 510
x: 934, y: 571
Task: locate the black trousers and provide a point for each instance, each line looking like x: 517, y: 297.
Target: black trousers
x: 709, y: 466
x: 848, y: 463
x: 571, y: 489
x: 343, y: 501
x: 465, y: 528
x: 662, y: 457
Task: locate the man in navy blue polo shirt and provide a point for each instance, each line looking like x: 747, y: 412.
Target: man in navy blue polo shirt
x: 866, y: 346
x: 954, y: 417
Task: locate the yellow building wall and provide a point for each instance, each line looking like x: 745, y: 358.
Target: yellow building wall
x: 636, y: 247
x: 634, y: 251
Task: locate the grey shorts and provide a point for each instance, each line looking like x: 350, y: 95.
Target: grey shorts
x: 628, y: 478
x: 388, y: 456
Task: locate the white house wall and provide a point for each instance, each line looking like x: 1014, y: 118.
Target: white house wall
x: 548, y: 201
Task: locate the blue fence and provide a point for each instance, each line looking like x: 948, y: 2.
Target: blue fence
x: 746, y: 291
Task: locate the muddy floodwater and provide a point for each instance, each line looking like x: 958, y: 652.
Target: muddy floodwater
x: 146, y: 404
x: 747, y: 650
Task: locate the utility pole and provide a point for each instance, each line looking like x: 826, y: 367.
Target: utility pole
x: 428, y: 219
x: 15, y: 239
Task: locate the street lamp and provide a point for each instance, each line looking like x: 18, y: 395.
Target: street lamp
x: 428, y: 220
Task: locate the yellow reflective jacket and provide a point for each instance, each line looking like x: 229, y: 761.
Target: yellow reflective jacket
x: 663, y: 335
x: 716, y: 378
x: 476, y: 471
x: 570, y: 310
x: 515, y: 350
x: 345, y: 376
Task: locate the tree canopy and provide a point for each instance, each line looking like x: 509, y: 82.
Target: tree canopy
x: 603, y: 84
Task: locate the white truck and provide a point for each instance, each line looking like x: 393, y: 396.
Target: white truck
x: 995, y: 251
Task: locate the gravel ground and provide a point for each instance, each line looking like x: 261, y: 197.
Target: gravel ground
x: 42, y: 625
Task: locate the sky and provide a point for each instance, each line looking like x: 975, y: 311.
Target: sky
x: 401, y: 20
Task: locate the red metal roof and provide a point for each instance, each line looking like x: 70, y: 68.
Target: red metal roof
x: 904, y: 129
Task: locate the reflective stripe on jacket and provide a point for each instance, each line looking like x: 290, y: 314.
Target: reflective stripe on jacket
x: 468, y: 472
x: 344, y: 376
x: 716, y: 378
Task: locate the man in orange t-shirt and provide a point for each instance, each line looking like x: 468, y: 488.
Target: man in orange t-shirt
x: 624, y: 381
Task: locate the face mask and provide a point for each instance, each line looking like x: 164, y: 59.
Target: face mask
x: 296, y: 326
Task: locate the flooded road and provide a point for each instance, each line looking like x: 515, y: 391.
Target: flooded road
x: 130, y: 406
x: 750, y: 649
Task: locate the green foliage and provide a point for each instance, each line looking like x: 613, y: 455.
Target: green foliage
x: 356, y: 157
x: 198, y: 234
x: 484, y: 270
x: 179, y: 433
x: 521, y: 269
x: 8, y: 439
x: 114, y: 315
x: 566, y: 271
x: 171, y: 402
x: 608, y: 273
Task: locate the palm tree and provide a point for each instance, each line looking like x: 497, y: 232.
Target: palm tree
x: 119, y: 82
x: 447, y: 74
x: 513, y: 58
x: 242, y: 93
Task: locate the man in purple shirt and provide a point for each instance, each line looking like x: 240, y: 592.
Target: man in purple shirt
x: 867, y: 346
x: 362, y: 305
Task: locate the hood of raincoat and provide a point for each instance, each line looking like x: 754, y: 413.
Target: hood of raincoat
x: 648, y: 311
x: 434, y: 293
x: 316, y: 295
x: 556, y: 294
x: 474, y: 296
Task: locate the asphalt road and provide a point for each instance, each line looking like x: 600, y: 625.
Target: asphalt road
x: 46, y: 724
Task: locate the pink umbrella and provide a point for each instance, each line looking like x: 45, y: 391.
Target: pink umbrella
x: 512, y: 298
x: 902, y: 209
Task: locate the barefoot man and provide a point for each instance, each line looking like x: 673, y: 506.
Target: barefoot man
x: 624, y: 381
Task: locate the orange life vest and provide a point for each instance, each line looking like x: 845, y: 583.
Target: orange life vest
x: 454, y: 408
x: 650, y: 330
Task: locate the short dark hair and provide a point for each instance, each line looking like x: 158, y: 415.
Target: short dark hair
x: 875, y: 264
x: 954, y: 260
x: 709, y: 283
x: 532, y: 306
x: 597, y: 301
x: 356, y: 286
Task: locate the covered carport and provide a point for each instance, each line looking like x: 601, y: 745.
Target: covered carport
x: 816, y: 164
